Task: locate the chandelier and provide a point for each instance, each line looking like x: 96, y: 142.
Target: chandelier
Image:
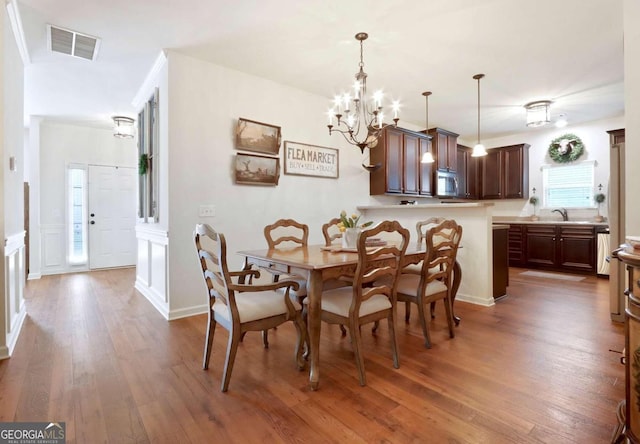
x: 360, y: 119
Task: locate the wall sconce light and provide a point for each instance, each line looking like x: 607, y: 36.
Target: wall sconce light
x: 123, y: 127
x: 538, y: 113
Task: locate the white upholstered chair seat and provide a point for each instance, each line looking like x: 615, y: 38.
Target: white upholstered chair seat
x: 252, y: 306
x: 338, y: 301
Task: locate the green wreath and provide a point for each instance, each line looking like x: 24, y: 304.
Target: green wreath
x: 566, y: 148
x: 143, y: 164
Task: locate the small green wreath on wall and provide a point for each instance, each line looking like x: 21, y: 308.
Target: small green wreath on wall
x: 143, y: 164
x: 566, y: 148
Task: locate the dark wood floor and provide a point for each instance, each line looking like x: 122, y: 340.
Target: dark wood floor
x: 536, y: 367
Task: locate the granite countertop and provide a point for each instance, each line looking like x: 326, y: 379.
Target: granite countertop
x: 516, y: 220
x: 426, y: 206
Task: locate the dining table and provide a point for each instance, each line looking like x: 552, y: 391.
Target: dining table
x: 318, y: 264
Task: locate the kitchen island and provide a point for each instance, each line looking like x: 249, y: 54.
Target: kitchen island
x: 475, y: 255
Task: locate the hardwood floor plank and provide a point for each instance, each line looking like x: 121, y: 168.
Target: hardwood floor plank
x: 534, y: 368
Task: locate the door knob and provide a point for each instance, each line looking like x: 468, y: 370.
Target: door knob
x: 92, y: 215
x: 92, y: 222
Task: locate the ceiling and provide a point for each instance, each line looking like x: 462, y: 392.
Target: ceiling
x: 568, y: 51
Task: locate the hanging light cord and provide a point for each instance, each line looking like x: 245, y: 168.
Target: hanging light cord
x: 478, y: 77
x: 479, y: 110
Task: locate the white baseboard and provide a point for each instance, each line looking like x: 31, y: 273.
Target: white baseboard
x: 186, y: 312
x: 475, y: 300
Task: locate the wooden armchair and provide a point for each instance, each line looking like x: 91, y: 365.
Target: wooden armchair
x: 238, y: 307
x: 435, y: 280
x: 287, y: 233
x: 421, y: 229
x: 373, y: 294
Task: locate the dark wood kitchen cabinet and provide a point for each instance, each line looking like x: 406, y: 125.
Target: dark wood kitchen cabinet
x: 467, y: 173
x: 399, y: 152
x: 445, y: 147
x: 561, y: 247
x: 504, y: 173
x: 516, y: 236
x: 427, y: 174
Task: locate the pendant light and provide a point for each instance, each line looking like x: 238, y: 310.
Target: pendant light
x: 479, y: 150
x: 427, y: 157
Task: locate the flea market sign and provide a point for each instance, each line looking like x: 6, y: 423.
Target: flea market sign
x: 310, y: 160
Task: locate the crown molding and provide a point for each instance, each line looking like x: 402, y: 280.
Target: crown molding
x: 150, y: 82
x: 16, y: 25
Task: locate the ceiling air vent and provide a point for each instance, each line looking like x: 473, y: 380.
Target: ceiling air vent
x: 72, y: 43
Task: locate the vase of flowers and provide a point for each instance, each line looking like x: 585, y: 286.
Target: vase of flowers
x: 350, y: 228
x: 533, y: 200
x: 599, y: 198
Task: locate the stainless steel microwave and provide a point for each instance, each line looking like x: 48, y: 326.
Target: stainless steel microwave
x: 446, y: 184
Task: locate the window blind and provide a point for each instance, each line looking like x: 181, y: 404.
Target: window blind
x: 569, y: 186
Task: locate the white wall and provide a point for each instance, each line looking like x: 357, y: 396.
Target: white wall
x: 205, y: 101
x: 632, y: 114
x: 60, y: 144
x: 12, y: 275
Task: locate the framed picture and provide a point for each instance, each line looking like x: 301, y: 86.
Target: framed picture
x: 310, y: 160
x: 258, y: 137
x: 257, y: 170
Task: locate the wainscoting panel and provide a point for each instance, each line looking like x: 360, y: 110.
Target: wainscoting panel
x: 15, y: 310
x: 53, y: 249
x: 151, y: 268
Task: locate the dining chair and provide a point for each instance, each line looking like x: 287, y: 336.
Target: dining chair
x: 240, y: 307
x: 372, y: 296
x: 435, y: 280
x: 421, y: 230
x: 331, y: 232
x: 287, y: 233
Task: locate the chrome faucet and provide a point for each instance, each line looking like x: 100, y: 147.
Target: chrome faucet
x: 563, y: 212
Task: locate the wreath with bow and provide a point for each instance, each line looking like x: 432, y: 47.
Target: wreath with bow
x: 566, y: 148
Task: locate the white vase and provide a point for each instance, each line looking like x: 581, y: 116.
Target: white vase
x: 350, y: 237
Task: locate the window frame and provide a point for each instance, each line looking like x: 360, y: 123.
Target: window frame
x: 71, y: 258
x: 148, y: 143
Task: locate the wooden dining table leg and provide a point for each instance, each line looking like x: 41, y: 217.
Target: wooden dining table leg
x: 457, y: 278
x: 314, y: 321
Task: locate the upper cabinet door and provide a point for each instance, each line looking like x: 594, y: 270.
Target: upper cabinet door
x: 426, y: 169
x: 411, y: 164
x: 394, y: 165
x: 491, y: 175
x: 516, y: 163
x: 445, y: 145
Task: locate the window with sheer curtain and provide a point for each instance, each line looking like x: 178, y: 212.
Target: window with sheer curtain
x: 568, y: 186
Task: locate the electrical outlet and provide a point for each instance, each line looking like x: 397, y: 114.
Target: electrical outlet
x: 207, y: 211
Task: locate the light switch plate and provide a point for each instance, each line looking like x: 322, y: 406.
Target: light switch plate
x: 207, y: 211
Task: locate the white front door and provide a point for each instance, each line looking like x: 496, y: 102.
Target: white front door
x: 112, y: 216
